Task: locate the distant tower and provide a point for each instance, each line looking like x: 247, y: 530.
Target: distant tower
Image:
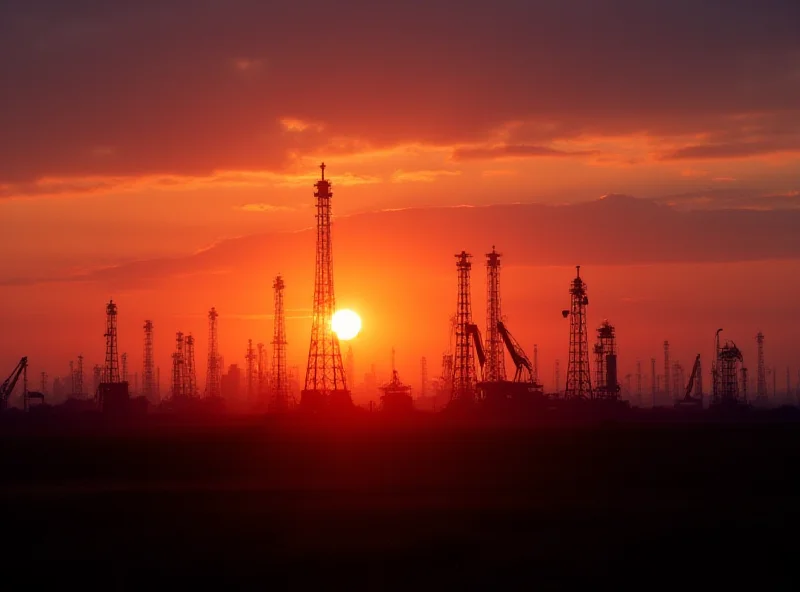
x: 325, y: 380
x: 423, y: 390
x: 280, y: 380
x: 535, y: 363
x: 213, y: 376
x: 464, y: 377
x: 111, y: 368
x: 178, y: 382
x: 97, y: 377
x: 44, y: 383
x: 579, y: 385
x: 124, y: 358
x: 653, y: 380
x: 639, y: 383
x: 495, y: 366
x: 79, y: 377
x: 250, y: 358
x: 262, y: 370
x: 190, y: 371
x: 666, y: 367
x: 605, y: 351
x: 72, y: 391
x: 761, y: 388
x: 148, y: 386
x: 727, y: 372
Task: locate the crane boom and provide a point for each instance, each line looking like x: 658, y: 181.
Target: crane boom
x: 692, y: 377
x: 518, y: 356
x: 472, y: 329
x: 8, y: 385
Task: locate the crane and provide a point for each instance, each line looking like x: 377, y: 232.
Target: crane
x: 521, y: 361
x: 8, y: 385
x: 688, y: 400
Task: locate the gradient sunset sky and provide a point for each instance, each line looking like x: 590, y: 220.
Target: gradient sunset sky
x: 163, y: 153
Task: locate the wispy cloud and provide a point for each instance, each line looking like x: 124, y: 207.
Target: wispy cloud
x: 425, y: 176
x: 263, y: 207
x: 506, y: 151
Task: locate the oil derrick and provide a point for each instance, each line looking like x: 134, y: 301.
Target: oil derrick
x: 666, y: 368
x: 280, y: 379
x: 605, y: 352
x: 261, y: 371
x: 464, y: 377
x: 250, y: 358
x: 148, y: 386
x: 423, y: 383
x: 79, y: 377
x: 495, y: 367
x: 111, y: 368
x: 44, y: 383
x: 726, y: 372
x: 396, y: 396
x: 190, y: 371
x: 579, y: 385
x: 213, y: 375
x: 178, y: 380
x: 761, y: 387
x: 325, y: 380
x: 124, y: 358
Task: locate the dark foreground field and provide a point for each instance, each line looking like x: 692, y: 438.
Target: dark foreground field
x: 251, y: 505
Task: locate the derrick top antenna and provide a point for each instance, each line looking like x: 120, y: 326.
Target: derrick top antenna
x: 322, y: 168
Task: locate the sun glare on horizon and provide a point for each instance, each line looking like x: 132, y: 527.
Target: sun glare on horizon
x: 346, y: 324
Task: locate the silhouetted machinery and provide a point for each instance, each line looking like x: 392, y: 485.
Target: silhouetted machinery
x: 696, y: 378
x: 396, y: 396
x: 523, y: 388
x: 8, y: 385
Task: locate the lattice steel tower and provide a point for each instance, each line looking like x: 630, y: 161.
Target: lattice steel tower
x: 124, y: 358
x: 250, y: 368
x: 495, y: 366
x: 79, y: 377
x: 148, y: 385
x: 213, y: 377
x: 262, y: 369
x: 280, y: 379
x: 325, y: 379
x: 111, y: 368
x: 178, y: 380
x: 579, y: 384
x: 464, y: 377
x: 190, y: 374
x: 761, y: 387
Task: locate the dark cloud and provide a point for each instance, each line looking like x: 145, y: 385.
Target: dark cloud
x: 164, y: 84
x: 514, y: 151
x: 732, y: 150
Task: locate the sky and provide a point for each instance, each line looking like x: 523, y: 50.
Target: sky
x: 163, y: 154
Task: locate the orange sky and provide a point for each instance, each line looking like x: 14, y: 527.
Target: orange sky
x: 123, y: 144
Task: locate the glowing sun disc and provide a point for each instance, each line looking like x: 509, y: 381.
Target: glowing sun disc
x: 346, y: 324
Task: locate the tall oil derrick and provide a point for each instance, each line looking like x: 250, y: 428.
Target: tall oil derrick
x: 111, y: 367
x: 79, y: 377
x: 726, y: 371
x: 124, y: 358
x: 666, y: 368
x: 579, y: 384
x: 761, y: 388
x: 250, y: 358
x: 464, y: 377
x: 213, y: 375
x: 148, y: 378
x: 653, y: 380
x: 325, y: 379
x: 280, y: 378
x: 423, y: 387
x: 639, y: 383
x: 605, y: 352
x: 262, y: 370
x: 495, y: 366
x: 190, y: 370
x: 178, y: 380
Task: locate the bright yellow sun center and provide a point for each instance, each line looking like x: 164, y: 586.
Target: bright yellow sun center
x: 346, y: 324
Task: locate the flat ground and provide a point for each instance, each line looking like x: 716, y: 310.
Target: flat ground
x: 252, y: 504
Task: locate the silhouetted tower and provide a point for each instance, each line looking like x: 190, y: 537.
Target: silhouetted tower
x: 639, y: 382
x: 423, y: 390
x: 726, y: 372
x: 464, y: 377
x: 495, y: 366
x: 79, y: 377
x: 579, y: 384
x: 213, y: 374
x: 666, y: 367
x: 605, y: 352
x: 44, y: 383
x: 190, y: 370
x: 178, y: 380
x: 325, y: 377
x: 148, y: 378
x: 280, y: 379
x: 761, y: 387
x: 677, y: 380
x: 250, y: 358
x: 557, y: 372
x: 111, y: 368
x: 535, y: 363
x: 262, y: 369
x: 653, y: 380
x: 72, y: 391
x: 124, y: 358
x: 97, y: 377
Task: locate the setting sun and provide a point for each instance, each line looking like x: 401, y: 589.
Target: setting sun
x: 346, y: 324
